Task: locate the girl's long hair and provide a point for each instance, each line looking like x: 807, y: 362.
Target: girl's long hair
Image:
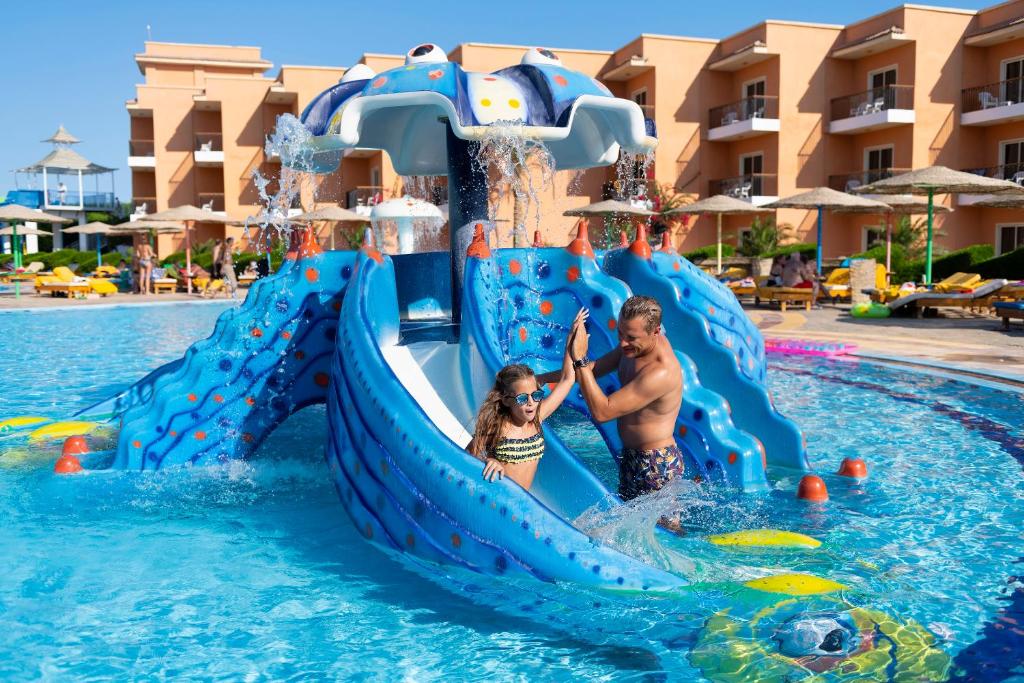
x: 493, y: 414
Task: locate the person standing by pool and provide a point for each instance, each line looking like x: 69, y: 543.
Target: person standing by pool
x: 218, y: 254
x: 146, y: 258
x: 648, y: 402
x: 227, y: 267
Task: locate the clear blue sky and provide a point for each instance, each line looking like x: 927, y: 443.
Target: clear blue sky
x: 71, y: 62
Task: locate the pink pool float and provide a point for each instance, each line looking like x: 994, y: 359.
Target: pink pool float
x: 806, y: 347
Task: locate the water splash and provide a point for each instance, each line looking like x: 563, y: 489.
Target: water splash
x: 631, y: 171
x: 516, y: 159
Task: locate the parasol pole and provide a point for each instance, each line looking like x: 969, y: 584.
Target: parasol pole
x: 16, y: 249
x: 188, y: 256
x: 819, y: 242
x: 99, y: 253
x: 719, y: 244
x: 928, y: 254
x: 888, y: 245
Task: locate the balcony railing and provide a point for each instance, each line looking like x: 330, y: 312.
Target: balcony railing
x: 209, y: 142
x: 87, y: 200
x: 1013, y: 172
x: 760, y: 107
x: 141, y: 148
x: 210, y: 201
x: 993, y: 95
x: 873, y: 101
x: 746, y: 186
x: 848, y: 182
x: 365, y: 195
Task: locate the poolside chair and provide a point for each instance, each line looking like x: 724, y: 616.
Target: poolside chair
x: 783, y: 296
x: 965, y: 298
x: 958, y: 282
x: 162, y: 283
x: 1009, y: 309
x: 64, y: 281
x: 837, y: 285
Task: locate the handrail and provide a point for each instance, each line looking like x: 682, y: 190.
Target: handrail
x: 746, y: 186
x: 847, y: 182
x: 992, y: 95
x: 873, y: 101
x: 756, y: 107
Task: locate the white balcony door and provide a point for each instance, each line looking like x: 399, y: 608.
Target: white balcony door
x: 877, y: 163
x: 753, y: 99
x: 880, y: 83
x: 751, y: 168
x: 1013, y: 160
x: 1013, y: 70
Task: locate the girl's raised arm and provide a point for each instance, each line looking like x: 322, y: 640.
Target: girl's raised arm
x: 568, y: 377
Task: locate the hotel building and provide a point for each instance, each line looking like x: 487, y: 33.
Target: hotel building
x: 776, y: 109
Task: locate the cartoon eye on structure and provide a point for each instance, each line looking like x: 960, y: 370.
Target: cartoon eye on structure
x: 358, y: 72
x: 426, y: 53
x: 541, y: 55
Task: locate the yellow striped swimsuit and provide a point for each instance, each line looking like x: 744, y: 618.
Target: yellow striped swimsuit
x: 514, y: 451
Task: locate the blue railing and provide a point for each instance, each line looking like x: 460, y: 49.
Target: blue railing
x: 88, y: 200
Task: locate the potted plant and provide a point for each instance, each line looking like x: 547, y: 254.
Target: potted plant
x: 758, y: 242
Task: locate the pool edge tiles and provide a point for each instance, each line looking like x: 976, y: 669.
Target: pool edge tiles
x: 112, y: 306
x: 990, y: 379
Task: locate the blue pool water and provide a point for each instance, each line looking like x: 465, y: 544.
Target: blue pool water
x: 253, y: 570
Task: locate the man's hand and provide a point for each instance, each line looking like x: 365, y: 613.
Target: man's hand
x: 579, y: 340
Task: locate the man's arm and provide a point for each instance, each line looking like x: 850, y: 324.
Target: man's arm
x: 647, y: 387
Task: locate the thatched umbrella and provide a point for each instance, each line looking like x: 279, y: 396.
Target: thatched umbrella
x: 334, y: 214
x: 903, y: 204
x: 938, y: 180
x: 610, y: 208
x: 190, y: 215
x: 94, y: 228
x: 1009, y: 201
x: 146, y: 225
x: 15, y: 214
x: 719, y: 205
x: 15, y: 231
x: 821, y: 198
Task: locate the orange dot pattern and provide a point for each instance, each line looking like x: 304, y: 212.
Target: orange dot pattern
x: 522, y: 334
x: 515, y: 267
x: 546, y: 307
x: 573, y: 274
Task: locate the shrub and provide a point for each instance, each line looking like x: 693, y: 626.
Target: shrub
x: 709, y: 252
x: 961, y: 260
x: 807, y: 249
x: 1010, y: 266
x: 761, y: 240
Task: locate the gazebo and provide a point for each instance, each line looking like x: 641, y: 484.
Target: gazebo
x: 57, y: 184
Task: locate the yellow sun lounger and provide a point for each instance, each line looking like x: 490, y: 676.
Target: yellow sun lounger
x: 63, y: 281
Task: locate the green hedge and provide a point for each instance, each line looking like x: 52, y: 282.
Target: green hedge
x: 205, y: 259
x: 966, y: 260
x: 1010, y: 266
x: 86, y: 260
x: 709, y: 252
x: 808, y: 249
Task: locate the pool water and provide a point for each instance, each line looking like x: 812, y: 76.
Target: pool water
x: 253, y: 570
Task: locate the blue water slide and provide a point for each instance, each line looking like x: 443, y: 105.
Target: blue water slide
x: 398, y: 422
x: 518, y: 307
x: 265, y: 360
x: 704, y: 318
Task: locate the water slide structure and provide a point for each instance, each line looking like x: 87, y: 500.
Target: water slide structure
x: 403, y: 347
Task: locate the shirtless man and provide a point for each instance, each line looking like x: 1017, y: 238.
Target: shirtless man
x: 647, y: 404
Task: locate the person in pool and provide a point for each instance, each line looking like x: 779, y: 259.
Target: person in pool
x: 508, y: 435
x: 648, y: 402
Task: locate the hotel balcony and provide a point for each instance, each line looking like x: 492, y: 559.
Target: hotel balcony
x: 208, y: 149
x: 757, y: 188
x: 141, y: 154
x: 363, y: 197
x: 746, y: 118
x: 142, y: 206
x: 1014, y: 172
x: 892, y: 105
x: 627, y: 68
x: 988, y: 105
x: 210, y: 201
x: 848, y: 182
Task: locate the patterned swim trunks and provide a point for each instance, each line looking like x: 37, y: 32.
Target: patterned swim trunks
x: 641, y: 472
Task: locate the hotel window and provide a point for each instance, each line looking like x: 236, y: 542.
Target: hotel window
x: 872, y: 235
x: 1010, y: 237
x: 751, y: 168
x: 877, y: 163
x: 640, y: 97
x: 753, y: 99
x: 1013, y: 70
x: 1013, y: 160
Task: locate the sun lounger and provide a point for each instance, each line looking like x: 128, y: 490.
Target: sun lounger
x: 65, y: 282
x: 1009, y: 309
x: 932, y: 299
x: 958, y: 282
x: 784, y: 296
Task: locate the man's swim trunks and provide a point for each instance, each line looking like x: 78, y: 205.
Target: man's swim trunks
x: 641, y: 472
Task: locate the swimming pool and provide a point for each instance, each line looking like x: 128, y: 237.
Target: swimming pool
x: 254, y: 569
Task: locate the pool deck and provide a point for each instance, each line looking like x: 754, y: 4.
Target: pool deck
x: 32, y: 301
x: 972, y: 344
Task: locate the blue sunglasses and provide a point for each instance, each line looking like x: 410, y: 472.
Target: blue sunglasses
x: 521, y: 399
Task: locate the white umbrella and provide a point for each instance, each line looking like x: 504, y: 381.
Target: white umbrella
x: 190, y: 215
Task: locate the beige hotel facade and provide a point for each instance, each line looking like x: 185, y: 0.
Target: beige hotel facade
x: 778, y: 108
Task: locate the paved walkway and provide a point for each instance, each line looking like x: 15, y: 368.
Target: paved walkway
x: 969, y: 342
x: 32, y: 301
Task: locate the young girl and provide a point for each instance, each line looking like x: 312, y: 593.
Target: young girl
x: 508, y: 436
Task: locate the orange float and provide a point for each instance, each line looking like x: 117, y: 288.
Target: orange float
x: 855, y: 468
x: 812, y: 488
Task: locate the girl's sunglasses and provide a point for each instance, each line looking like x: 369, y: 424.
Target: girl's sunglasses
x: 521, y: 399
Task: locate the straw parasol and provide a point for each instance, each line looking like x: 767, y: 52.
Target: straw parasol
x: 146, y: 225
x: 719, y: 205
x: 94, y: 228
x: 331, y: 213
x: 822, y: 198
x: 938, y: 180
x: 1009, y: 201
x: 190, y: 215
x: 609, y: 207
x: 15, y: 231
x: 15, y: 214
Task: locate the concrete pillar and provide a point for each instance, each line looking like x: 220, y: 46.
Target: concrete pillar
x: 83, y: 243
x: 862, y: 276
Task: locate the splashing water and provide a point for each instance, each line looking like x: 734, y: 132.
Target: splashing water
x: 289, y: 142
x: 631, y: 174
x: 516, y: 158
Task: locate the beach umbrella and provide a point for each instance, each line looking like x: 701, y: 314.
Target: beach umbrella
x: 190, y: 215
x: 718, y: 205
x: 609, y: 207
x: 902, y: 204
x: 331, y: 213
x: 94, y: 228
x: 12, y: 230
x: 824, y: 198
x: 15, y: 214
x: 938, y: 180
